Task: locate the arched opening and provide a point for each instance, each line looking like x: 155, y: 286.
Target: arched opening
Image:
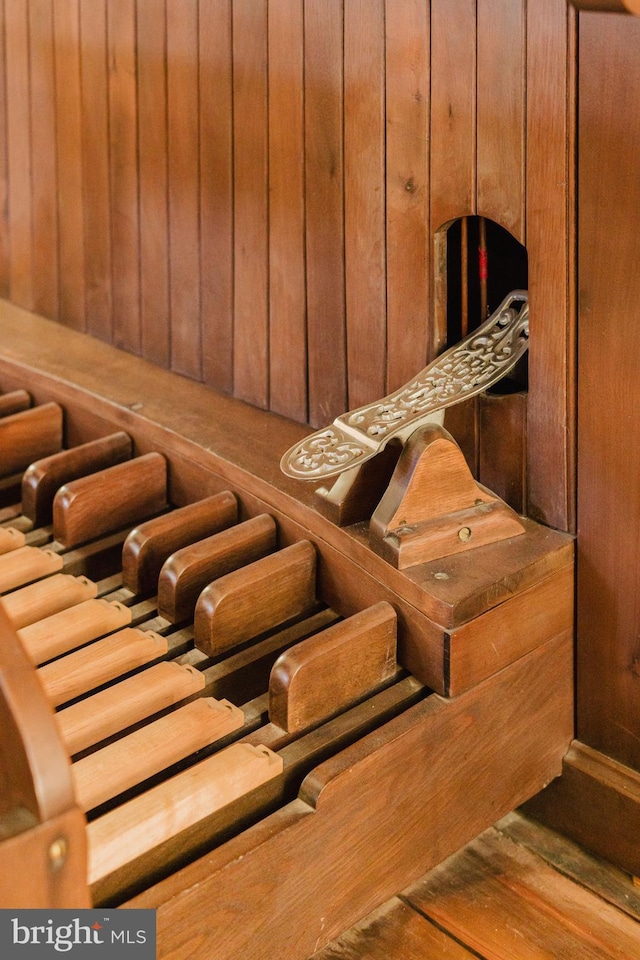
x: 484, y: 263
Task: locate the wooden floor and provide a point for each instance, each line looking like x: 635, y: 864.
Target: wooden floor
x: 518, y: 892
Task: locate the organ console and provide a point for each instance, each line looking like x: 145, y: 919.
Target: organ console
x: 240, y: 691
x: 259, y: 678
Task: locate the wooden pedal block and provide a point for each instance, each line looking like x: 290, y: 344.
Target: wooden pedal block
x: 107, y: 501
x: 116, y: 708
x: 248, y: 602
x: 434, y: 508
x: 327, y: 673
x: 166, y: 810
x: 100, y: 662
x: 14, y: 402
x: 10, y: 539
x: 25, y: 565
x: 155, y: 747
x: 69, y: 629
x: 188, y: 571
x: 46, y: 597
x: 149, y: 545
x: 29, y: 435
x: 42, y: 479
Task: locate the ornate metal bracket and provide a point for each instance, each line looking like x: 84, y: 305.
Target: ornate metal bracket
x: 472, y: 366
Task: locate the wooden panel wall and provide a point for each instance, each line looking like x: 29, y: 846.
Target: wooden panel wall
x: 250, y: 191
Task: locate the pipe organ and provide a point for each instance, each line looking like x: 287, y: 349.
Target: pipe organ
x: 264, y: 662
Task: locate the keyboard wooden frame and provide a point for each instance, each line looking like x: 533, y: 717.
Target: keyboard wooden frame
x: 493, y: 638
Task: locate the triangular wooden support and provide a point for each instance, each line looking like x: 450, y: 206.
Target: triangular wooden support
x: 433, y: 507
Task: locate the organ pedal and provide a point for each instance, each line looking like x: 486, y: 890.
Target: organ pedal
x: 428, y: 504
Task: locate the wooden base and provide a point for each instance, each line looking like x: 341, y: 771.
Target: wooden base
x: 597, y: 803
x: 373, y: 818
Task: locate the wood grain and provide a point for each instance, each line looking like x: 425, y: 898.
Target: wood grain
x: 123, y: 166
x: 166, y: 810
x: 29, y: 435
x: 327, y: 673
x: 68, y: 629
x: 42, y: 479
x: 502, y: 900
x: 109, y: 500
x: 188, y: 571
x: 215, y: 56
x: 150, y: 544
x: 100, y: 662
x: 154, y: 747
x: 14, y: 402
x: 365, y: 235
x: 324, y: 223
x: 10, y: 539
x: 43, y: 158
x: 70, y: 196
x: 184, y: 235
x: 407, y: 89
x: 151, y: 40
x: 109, y: 711
x: 250, y: 211
x: 287, y: 294
x: 26, y: 564
x: 48, y: 596
x: 319, y: 863
x: 95, y: 167
x: 257, y: 598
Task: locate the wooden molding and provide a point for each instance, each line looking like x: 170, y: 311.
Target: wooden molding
x: 596, y: 802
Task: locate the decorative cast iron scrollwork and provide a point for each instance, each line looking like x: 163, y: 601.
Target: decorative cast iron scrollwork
x: 472, y: 366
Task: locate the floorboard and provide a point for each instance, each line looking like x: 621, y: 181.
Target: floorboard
x: 517, y: 892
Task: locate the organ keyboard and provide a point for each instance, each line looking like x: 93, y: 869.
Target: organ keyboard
x: 219, y: 703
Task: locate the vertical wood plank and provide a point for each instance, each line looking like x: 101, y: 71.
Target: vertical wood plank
x: 453, y: 110
x: 550, y: 241
x: 453, y: 135
x: 19, y: 150
x: 152, y: 166
x: 43, y: 164
x: 216, y: 193
x: 407, y: 142
x: 251, y: 206
x: 501, y: 55
x: 365, y: 199
x: 324, y: 184
x: 123, y: 148
x: 609, y: 430
x: 95, y: 160
x: 5, y: 249
x: 287, y: 294
x: 184, y: 188
x: 66, y: 25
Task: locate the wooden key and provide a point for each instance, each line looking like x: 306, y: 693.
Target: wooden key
x: 188, y: 571
x: 88, y: 508
x: 329, y: 672
x: 149, y: 545
x: 46, y: 597
x: 14, y: 402
x: 69, y: 629
x: 164, y: 811
x: 43, y: 478
x: 248, y: 602
x: 25, y: 565
x: 10, y: 539
x: 29, y: 435
x: 100, y: 662
x: 112, y: 710
x: 153, y: 748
